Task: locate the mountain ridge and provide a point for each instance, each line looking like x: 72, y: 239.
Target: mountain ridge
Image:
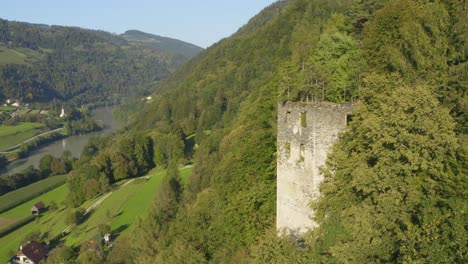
x: 39, y: 63
x: 164, y: 43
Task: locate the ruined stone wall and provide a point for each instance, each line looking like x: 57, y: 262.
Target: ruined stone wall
x: 305, y: 135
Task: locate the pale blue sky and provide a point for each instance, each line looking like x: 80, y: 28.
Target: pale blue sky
x: 201, y: 22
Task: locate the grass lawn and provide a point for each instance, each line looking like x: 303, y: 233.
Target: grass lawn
x: 27, y: 193
x: 12, y: 135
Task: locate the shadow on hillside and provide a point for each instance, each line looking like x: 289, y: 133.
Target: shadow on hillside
x: 119, y: 213
x: 118, y: 230
x: 86, y: 217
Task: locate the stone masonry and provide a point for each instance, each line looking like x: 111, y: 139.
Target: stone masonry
x: 306, y: 131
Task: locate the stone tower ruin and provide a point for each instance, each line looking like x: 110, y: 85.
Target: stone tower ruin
x: 306, y: 131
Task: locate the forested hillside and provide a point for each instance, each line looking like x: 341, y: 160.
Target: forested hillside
x: 396, y: 182
x: 42, y: 63
x: 162, y: 43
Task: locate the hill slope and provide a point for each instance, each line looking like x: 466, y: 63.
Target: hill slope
x: 161, y: 43
x: 397, y: 161
x: 41, y: 63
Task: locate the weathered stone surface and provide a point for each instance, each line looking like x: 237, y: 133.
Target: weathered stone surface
x: 305, y: 134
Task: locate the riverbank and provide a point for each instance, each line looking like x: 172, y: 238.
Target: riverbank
x: 74, y: 143
x: 12, y: 148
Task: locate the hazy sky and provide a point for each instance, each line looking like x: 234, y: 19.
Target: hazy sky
x: 201, y: 22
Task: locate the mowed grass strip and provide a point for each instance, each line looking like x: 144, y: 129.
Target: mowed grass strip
x: 25, y: 194
x: 13, y: 135
x: 4, y: 222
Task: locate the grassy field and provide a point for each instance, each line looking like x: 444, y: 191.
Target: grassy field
x: 120, y: 210
x: 16, y: 197
x: 49, y: 223
x: 18, y: 55
x: 12, y: 135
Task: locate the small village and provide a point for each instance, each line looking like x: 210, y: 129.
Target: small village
x: 15, y: 108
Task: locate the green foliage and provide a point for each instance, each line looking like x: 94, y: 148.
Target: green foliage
x: 120, y: 253
x: 409, y: 38
x: 74, y: 216
x: 396, y: 180
x: 390, y: 182
x: 167, y: 147
x: 53, y: 206
x: 230, y: 198
x: 329, y: 71
x: 130, y: 156
x: 62, y: 254
x: 104, y: 229
x: 50, y: 166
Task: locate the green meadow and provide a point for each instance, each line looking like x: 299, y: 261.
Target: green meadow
x: 49, y: 223
x: 13, y: 135
x: 22, y: 195
x: 119, y: 210
x: 19, y: 55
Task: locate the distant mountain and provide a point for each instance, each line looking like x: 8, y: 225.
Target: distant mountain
x: 41, y: 63
x: 163, y: 43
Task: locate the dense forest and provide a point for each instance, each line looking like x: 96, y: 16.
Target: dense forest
x: 395, y: 187
x: 42, y: 63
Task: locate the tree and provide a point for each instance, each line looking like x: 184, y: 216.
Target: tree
x: 62, y: 254
x: 121, y: 252
x: 74, y: 216
x: 169, y: 194
x: 53, y: 206
x: 45, y: 164
x: 392, y: 184
x: 409, y: 38
x: 57, y: 167
x: 339, y: 59
x: 104, y: 229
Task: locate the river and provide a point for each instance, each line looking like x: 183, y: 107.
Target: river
x: 74, y: 144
